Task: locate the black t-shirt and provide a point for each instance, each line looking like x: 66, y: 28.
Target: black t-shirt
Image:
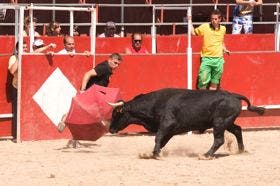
x: 103, y: 72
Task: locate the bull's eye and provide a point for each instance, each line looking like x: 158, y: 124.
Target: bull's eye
x: 120, y: 110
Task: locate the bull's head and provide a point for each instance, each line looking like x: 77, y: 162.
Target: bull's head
x: 120, y: 117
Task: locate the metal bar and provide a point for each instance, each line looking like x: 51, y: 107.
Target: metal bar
x: 227, y: 14
x: 173, y: 29
x: 122, y: 18
x: 97, y: 11
x: 10, y: 115
x: 189, y: 51
x: 127, y: 5
x: 153, y: 32
x: 53, y: 12
x: 20, y: 51
x: 161, y: 14
x: 277, y: 29
x: 31, y: 29
x: 71, y: 23
x: 16, y: 25
x: 56, y: 8
x: 93, y: 34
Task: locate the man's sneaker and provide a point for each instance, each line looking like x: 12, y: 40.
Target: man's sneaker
x: 61, y: 126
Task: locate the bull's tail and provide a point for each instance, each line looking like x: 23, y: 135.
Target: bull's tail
x: 259, y: 110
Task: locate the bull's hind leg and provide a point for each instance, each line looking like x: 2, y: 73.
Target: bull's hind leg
x: 220, y: 125
x: 236, y: 130
x: 218, y: 141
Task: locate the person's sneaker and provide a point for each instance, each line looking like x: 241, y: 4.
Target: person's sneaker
x: 61, y: 126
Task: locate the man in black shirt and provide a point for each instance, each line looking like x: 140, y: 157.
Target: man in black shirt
x: 100, y: 74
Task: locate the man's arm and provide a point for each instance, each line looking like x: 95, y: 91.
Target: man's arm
x: 191, y: 25
x: 251, y: 3
x: 13, y: 64
x: 225, y: 50
x: 42, y: 49
x: 86, y: 78
x: 127, y: 51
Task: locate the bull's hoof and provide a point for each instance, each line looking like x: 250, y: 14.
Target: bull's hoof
x: 230, y: 143
x: 243, y: 152
x: 205, y: 157
x: 148, y: 156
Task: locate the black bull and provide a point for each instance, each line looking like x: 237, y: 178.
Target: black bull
x: 168, y: 112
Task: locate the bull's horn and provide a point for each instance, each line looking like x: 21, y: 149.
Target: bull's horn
x: 106, y: 123
x: 114, y: 105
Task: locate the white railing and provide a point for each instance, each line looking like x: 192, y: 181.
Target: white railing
x: 277, y: 28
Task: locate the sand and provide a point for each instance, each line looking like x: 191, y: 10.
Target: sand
x: 114, y: 160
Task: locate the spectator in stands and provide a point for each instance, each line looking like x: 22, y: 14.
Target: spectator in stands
x: 13, y: 69
x: 40, y: 47
x: 75, y: 30
x: 243, y: 16
x: 54, y: 29
x: 110, y: 30
x: 212, y: 61
x: 3, y: 10
x: 27, y: 26
x: 136, y: 45
x: 99, y: 75
x: 69, y: 46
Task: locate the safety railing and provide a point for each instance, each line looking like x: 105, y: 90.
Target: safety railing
x: 161, y: 8
x: 277, y: 28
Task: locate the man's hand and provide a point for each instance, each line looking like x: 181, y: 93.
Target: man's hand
x: 87, y: 53
x: 52, y: 45
x: 226, y: 51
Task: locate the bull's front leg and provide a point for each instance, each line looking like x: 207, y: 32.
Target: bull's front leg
x: 157, y: 147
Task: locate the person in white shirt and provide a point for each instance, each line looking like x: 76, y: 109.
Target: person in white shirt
x: 69, y: 47
x: 110, y: 30
x: 27, y: 26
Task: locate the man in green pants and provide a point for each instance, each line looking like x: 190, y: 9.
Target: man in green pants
x: 213, y: 48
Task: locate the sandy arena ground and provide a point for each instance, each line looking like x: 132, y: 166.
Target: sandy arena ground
x: 113, y: 160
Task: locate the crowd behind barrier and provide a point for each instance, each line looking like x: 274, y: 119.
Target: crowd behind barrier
x: 169, y: 21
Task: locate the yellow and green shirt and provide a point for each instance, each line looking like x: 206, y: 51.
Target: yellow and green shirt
x: 213, y: 40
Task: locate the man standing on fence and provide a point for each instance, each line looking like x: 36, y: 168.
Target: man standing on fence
x: 212, y: 61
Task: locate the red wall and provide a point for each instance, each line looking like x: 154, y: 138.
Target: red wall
x: 255, y: 75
